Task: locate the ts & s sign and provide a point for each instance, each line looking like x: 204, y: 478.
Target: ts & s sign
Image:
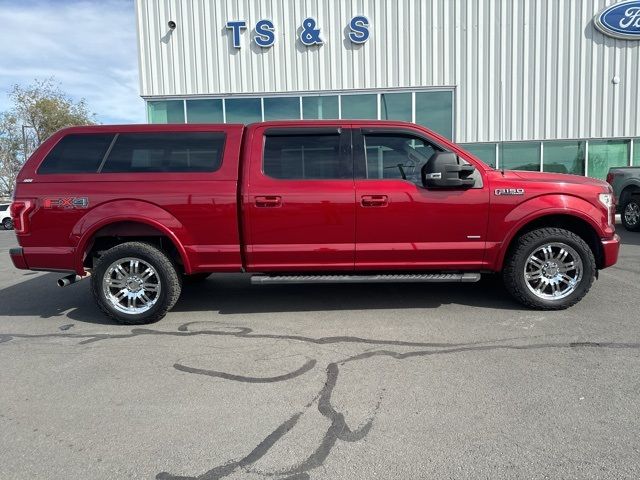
x: 620, y: 20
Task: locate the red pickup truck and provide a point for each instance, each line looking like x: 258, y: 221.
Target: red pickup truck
x: 143, y: 207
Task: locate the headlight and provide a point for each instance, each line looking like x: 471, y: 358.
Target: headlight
x: 607, y: 200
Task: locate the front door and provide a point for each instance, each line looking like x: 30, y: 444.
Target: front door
x: 299, y: 200
x: 400, y: 225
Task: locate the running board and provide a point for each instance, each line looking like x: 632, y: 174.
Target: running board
x: 404, y: 278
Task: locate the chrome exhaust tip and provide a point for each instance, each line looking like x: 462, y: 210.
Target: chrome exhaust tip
x: 69, y: 279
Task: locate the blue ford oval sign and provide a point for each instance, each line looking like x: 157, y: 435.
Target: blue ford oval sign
x: 620, y: 20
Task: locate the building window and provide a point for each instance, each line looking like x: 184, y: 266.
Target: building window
x: 320, y: 107
x: 396, y: 106
x: 282, y: 108
x: 636, y: 153
x: 564, y: 157
x: 604, y: 154
x: 484, y: 151
x: 204, y: 111
x: 363, y: 106
x: 166, y: 111
x: 243, y: 110
x: 434, y: 110
x: 520, y: 156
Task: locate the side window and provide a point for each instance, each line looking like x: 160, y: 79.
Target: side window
x: 166, y: 152
x: 306, y: 157
x: 77, y: 153
x: 396, y: 156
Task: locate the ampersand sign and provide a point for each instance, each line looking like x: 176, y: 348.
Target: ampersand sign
x: 310, y: 35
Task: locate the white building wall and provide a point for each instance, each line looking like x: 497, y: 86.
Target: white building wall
x: 522, y: 69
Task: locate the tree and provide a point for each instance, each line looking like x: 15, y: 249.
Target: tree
x: 11, y: 152
x: 37, y: 111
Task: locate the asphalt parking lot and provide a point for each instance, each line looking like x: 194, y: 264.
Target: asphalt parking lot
x: 321, y: 382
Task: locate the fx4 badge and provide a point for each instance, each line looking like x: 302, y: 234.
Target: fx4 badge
x: 509, y: 191
x: 66, y: 202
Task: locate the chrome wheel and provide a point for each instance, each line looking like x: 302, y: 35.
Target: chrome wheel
x: 553, y: 271
x: 131, y: 285
x: 632, y: 213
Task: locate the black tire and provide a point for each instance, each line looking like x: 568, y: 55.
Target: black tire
x: 629, y: 213
x: 7, y: 223
x: 195, y: 277
x: 513, y: 273
x: 168, y: 278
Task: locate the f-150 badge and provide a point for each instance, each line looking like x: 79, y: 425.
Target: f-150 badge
x: 509, y: 191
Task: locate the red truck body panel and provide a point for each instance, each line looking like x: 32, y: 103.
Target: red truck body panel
x: 237, y: 218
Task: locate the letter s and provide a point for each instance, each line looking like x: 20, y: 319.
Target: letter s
x: 359, y: 26
x: 265, y: 36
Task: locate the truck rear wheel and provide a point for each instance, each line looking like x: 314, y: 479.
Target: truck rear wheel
x: 549, y: 269
x: 135, y: 283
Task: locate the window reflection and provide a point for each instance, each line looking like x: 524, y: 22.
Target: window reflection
x: 166, y: 111
x: 282, y: 108
x: 564, y: 157
x: 204, y: 111
x: 361, y: 106
x: 320, y: 107
x: 243, y: 110
x: 434, y: 110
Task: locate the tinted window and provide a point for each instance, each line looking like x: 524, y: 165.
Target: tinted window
x: 359, y: 106
x: 520, y: 156
x: 320, y: 107
x: 166, y: 152
x: 80, y: 153
x: 396, y: 156
x: 434, y: 110
x: 305, y: 157
x: 3, y: 208
x: 278, y: 108
x: 243, y: 110
x: 484, y: 151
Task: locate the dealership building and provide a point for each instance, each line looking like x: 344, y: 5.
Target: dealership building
x: 550, y: 85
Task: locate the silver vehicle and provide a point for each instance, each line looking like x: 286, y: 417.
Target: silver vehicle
x: 626, y: 187
x: 5, y: 216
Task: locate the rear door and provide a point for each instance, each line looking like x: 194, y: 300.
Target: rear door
x: 298, y: 199
x: 400, y: 225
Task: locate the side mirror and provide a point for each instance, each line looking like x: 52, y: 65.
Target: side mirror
x: 444, y: 170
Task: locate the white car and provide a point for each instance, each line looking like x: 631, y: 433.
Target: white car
x: 5, y: 217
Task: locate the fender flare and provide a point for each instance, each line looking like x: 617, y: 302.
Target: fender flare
x: 545, y: 212
x: 126, y: 210
x: 633, y: 183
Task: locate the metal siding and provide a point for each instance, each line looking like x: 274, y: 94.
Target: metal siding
x: 521, y: 69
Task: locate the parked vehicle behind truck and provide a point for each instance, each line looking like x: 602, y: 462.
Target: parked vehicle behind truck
x: 625, y: 182
x: 143, y: 207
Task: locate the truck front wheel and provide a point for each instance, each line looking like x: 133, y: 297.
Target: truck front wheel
x: 631, y: 213
x: 135, y: 283
x: 549, y: 269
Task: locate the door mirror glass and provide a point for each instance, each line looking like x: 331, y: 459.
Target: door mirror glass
x: 446, y: 170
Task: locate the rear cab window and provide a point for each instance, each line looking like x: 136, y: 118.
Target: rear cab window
x: 307, y: 154
x: 135, y: 153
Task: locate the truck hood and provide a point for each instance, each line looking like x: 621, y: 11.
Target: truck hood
x: 557, y: 178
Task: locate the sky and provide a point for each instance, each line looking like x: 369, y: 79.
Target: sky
x: 88, y: 47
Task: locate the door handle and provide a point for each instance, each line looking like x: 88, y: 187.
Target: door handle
x: 268, y: 201
x: 374, y: 200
